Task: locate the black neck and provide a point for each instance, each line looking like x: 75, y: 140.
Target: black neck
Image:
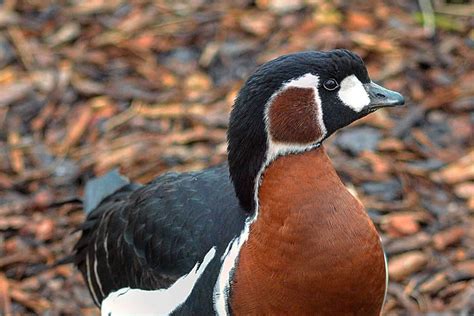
x: 247, y: 143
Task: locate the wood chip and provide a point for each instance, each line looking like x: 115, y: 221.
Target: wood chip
x: 14, y: 92
x: 401, y: 266
x: 405, y: 244
x: 466, y: 268
x: 448, y: 237
x: 401, y: 224
x: 5, y: 299
x: 464, y: 190
x: 32, y: 301
x: 16, y: 154
x: 435, y: 283
x: 78, y: 125
x: 458, y: 171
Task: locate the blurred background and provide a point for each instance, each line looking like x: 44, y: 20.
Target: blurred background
x: 147, y: 86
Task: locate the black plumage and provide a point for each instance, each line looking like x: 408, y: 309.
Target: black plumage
x: 149, y: 236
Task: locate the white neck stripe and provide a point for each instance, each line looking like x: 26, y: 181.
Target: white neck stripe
x: 274, y: 150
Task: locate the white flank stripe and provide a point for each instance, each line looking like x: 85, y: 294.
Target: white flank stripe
x: 95, y: 271
x: 89, y: 280
x: 274, y: 149
x: 106, y: 251
x: 126, y: 301
x: 221, y: 289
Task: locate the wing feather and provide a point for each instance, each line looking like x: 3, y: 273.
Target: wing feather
x: 148, y: 237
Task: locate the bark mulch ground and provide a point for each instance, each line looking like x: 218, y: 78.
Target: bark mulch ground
x: 146, y: 86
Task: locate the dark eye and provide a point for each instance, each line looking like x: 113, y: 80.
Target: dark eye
x: 330, y: 84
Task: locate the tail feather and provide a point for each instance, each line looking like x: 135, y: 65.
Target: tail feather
x: 98, y: 189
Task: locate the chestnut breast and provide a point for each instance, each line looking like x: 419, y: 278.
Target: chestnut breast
x: 312, y: 250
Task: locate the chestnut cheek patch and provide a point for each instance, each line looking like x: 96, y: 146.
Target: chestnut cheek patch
x: 294, y: 117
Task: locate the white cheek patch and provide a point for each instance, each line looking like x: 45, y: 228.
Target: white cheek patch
x: 353, y: 94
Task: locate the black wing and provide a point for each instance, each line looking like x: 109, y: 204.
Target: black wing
x: 147, y: 237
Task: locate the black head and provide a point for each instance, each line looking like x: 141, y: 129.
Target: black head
x: 292, y: 104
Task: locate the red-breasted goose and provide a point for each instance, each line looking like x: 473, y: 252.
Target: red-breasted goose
x: 272, y: 232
